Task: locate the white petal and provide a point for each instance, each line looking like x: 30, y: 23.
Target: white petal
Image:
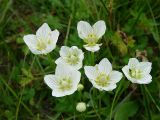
x: 75, y: 77
x: 99, y: 28
x: 133, y: 63
x: 60, y: 60
x: 57, y: 93
x: 50, y: 81
x: 54, y: 36
x: 145, y: 67
x: 84, y: 28
x: 77, y: 66
x: 125, y: 70
x: 63, y: 69
x: 110, y: 87
x: 91, y: 72
x: 92, y: 48
x: 43, y: 31
x: 64, y: 51
x: 115, y: 76
x: 31, y: 42
x: 49, y: 48
x: 105, y: 66
x: 146, y: 80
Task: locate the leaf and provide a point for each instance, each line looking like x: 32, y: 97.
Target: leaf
x: 126, y: 110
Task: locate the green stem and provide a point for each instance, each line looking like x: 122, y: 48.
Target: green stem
x: 118, y: 89
x: 37, y: 58
x: 92, y: 58
x: 93, y: 103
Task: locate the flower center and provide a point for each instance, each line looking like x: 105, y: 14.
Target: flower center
x: 41, y: 45
x: 72, y: 58
x: 91, y: 39
x: 135, y: 73
x: 102, y: 79
x: 64, y: 84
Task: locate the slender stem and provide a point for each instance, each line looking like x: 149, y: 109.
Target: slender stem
x: 114, y: 100
x: 92, y: 58
x: 19, y: 103
x: 93, y: 104
x: 37, y: 58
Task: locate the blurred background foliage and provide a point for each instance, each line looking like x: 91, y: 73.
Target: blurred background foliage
x: 133, y: 30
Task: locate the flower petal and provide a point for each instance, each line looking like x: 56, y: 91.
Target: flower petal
x: 105, y: 66
x: 50, y: 81
x: 54, y: 36
x: 43, y: 31
x: 99, y: 28
x: 92, y: 48
x: 125, y: 70
x: 146, y: 80
x: 110, y: 87
x: 91, y: 72
x: 145, y: 67
x: 75, y: 78
x: 62, y: 69
x: 133, y: 63
x: 60, y: 60
x: 115, y: 76
x: 31, y: 42
x: 64, y: 51
x: 84, y: 28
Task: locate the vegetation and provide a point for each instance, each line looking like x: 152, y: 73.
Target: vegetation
x: 133, y: 30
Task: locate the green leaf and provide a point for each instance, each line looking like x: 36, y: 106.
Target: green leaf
x: 126, y: 110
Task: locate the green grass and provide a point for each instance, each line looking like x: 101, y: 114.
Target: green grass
x: 23, y: 94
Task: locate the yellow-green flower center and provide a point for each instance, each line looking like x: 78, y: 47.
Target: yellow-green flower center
x: 64, y: 84
x: 91, y: 39
x: 102, y: 79
x: 72, y: 58
x: 41, y: 45
x: 135, y: 73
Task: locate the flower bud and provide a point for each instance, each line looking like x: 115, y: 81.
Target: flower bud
x: 80, y: 87
x: 81, y: 107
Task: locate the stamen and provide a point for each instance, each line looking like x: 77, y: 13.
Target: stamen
x: 102, y: 79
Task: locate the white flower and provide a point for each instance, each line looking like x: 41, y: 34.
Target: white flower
x: 81, y: 107
x: 71, y: 56
x: 102, y: 76
x: 43, y: 42
x: 64, y: 82
x: 91, y: 34
x: 138, y: 72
